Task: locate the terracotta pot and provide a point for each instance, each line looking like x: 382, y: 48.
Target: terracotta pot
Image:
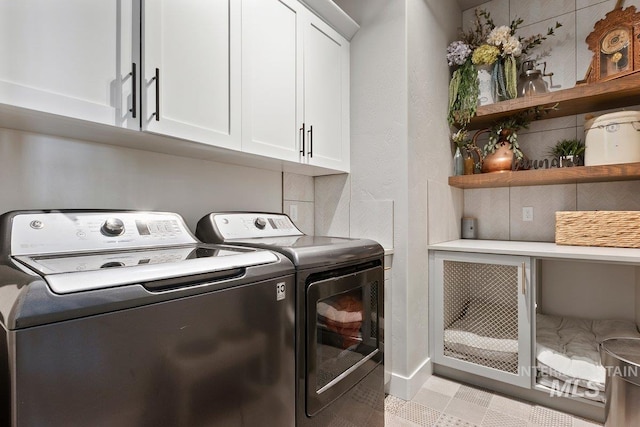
x: 500, y: 160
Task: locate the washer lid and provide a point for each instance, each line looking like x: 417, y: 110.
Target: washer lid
x: 277, y: 232
x: 87, y: 271
x: 316, y: 251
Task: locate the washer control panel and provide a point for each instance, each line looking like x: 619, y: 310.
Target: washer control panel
x: 251, y: 225
x: 59, y: 232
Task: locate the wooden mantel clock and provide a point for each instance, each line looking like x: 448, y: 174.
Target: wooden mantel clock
x: 615, y: 43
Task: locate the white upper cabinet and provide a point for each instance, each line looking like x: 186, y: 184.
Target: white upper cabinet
x: 295, y: 86
x: 69, y: 57
x: 257, y: 78
x: 326, y: 96
x: 271, y: 81
x: 191, y: 70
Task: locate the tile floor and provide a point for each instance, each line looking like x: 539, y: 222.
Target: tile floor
x: 443, y: 403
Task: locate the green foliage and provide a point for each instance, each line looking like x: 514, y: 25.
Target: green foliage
x: 511, y: 125
x: 463, y: 94
x: 567, y: 147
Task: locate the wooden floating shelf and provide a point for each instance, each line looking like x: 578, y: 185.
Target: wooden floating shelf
x: 585, y: 98
x: 572, y: 175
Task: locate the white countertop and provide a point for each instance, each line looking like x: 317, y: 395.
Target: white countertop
x: 541, y: 250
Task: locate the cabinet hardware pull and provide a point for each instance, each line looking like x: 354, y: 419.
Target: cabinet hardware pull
x: 302, y: 140
x: 310, y: 131
x: 133, y: 75
x: 524, y: 279
x: 157, y: 79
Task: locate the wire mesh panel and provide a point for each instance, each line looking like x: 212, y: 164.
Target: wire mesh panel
x: 481, y: 314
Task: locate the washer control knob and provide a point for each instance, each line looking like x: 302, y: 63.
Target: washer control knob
x: 112, y: 227
x: 260, y: 222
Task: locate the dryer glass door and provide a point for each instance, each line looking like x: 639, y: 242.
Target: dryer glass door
x: 343, y: 337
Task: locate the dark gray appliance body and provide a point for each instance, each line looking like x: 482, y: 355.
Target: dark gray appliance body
x: 326, y: 268
x: 198, y: 350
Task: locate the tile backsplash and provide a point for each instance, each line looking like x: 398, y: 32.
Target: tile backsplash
x: 499, y: 210
x: 298, y: 200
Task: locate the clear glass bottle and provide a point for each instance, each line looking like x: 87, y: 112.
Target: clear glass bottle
x: 458, y: 163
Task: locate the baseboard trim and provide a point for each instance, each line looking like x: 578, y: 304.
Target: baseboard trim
x: 407, y: 387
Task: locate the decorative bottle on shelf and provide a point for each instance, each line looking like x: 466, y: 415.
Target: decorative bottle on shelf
x: 458, y: 163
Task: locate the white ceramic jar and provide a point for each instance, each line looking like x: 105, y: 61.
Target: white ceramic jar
x: 612, y: 138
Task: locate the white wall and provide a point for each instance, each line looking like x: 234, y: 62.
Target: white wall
x: 45, y: 172
x: 400, y: 151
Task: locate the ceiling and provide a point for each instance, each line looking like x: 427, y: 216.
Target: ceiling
x: 468, y: 4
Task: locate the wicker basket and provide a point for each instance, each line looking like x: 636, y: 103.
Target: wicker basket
x: 616, y: 229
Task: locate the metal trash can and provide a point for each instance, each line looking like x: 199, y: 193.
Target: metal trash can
x: 621, y: 358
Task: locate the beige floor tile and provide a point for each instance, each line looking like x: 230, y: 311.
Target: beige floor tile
x: 547, y: 417
x: 393, y: 404
x: 432, y: 399
x: 579, y: 422
x: 510, y: 407
x: 451, y: 421
x: 442, y: 386
x: 418, y: 414
x: 474, y: 395
x: 465, y: 410
x: 443, y: 403
x: 498, y: 419
x: 391, y: 420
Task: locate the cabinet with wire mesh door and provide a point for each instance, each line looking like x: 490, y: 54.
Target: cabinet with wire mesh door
x: 481, y: 314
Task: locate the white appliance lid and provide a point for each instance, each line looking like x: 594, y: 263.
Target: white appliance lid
x: 83, y: 272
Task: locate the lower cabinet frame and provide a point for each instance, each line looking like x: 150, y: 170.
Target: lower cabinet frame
x: 471, y: 279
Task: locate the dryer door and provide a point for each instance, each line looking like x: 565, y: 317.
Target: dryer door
x: 343, y: 334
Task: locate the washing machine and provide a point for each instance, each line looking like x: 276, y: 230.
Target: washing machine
x: 339, y: 315
x: 123, y: 318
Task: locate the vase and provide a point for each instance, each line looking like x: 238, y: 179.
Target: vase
x: 458, y: 163
x: 505, y: 79
x: 501, y: 160
x: 566, y: 161
x: 485, y: 85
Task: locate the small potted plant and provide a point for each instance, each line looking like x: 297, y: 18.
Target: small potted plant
x: 568, y: 152
x: 503, y: 146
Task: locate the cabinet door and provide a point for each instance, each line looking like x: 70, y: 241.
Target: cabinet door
x: 191, y: 61
x: 272, y: 78
x: 69, y: 57
x: 482, y: 310
x: 326, y: 96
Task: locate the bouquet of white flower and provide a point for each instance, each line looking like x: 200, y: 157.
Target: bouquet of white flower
x: 486, y: 44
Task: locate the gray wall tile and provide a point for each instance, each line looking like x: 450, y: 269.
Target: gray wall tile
x: 545, y: 201
x: 532, y: 11
x: 616, y: 196
x: 306, y: 219
x: 491, y: 207
x: 297, y: 187
x: 332, y: 197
